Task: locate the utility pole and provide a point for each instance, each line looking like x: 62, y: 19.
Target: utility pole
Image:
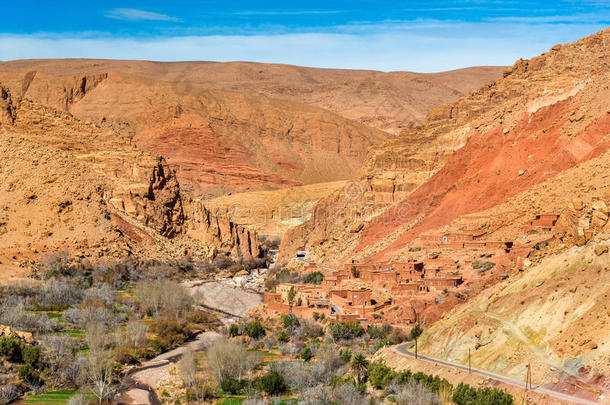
x: 469, y: 367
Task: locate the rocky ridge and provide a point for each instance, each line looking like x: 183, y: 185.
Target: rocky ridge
x: 544, y: 116
x: 69, y: 184
x: 217, y: 141
x: 390, y: 101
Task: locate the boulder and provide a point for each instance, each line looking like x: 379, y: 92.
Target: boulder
x: 577, y: 204
x: 601, y: 249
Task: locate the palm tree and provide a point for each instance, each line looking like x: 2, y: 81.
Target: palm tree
x: 359, y: 365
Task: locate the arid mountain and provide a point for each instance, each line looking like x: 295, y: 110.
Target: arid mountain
x: 70, y: 185
x: 271, y: 213
x: 388, y: 101
x: 217, y: 141
x: 552, y: 313
x: 544, y: 116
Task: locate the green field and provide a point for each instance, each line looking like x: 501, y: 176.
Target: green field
x: 51, y: 397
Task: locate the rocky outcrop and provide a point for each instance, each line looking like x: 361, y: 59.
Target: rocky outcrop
x: 546, y: 115
x: 581, y: 221
x: 71, y: 184
x: 219, y: 231
x: 218, y: 142
x: 10, y: 332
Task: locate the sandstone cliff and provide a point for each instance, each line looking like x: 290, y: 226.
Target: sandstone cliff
x: 68, y: 184
x: 544, y: 116
x: 217, y: 141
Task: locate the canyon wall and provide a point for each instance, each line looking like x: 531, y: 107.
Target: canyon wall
x: 544, y: 116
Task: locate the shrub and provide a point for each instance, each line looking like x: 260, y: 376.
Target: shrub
x: 29, y: 374
x: 482, y: 265
x: 30, y: 354
x: 232, y: 385
x: 464, y: 394
x: 233, y: 330
x: 170, y: 333
x: 345, y: 330
x: 283, y: 337
x: 272, y: 383
x: 345, y: 355
x: 314, y: 278
x: 381, y: 375
x: 11, y: 347
x: 254, y: 329
x: 306, y: 354
x: 416, y: 331
x: 290, y: 320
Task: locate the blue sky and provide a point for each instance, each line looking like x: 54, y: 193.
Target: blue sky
x: 423, y: 36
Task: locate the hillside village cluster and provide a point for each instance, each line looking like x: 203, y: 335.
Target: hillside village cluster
x: 364, y: 292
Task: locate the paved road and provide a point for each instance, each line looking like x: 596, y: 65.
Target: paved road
x: 404, y: 350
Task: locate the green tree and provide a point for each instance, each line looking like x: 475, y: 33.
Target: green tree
x: 233, y: 330
x: 291, y: 295
x: 272, y: 383
x: 359, y: 365
x: 381, y: 375
x: 11, y: 347
x: 415, y: 331
x: 254, y: 329
x: 314, y: 278
x: 306, y: 354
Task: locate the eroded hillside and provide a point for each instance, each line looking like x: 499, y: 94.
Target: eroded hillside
x: 70, y: 185
x: 545, y: 116
x: 217, y: 142
x: 390, y: 101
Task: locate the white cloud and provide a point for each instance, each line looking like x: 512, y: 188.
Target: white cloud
x: 285, y: 12
x: 433, y: 48
x: 134, y: 14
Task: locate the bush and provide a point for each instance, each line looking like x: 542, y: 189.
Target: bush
x: 464, y: 394
x: 345, y: 355
x: 29, y: 374
x: 30, y: 354
x: 254, y: 329
x: 283, y: 337
x: 11, y: 347
x: 233, y: 386
x: 345, y: 330
x: 379, y: 332
x: 314, y: 278
x: 272, y: 383
x: 233, y: 330
x: 482, y: 265
x: 381, y: 375
x: 170, y: 333
x: 306, y: 354
x: 290, y: 320
x: 416, y: 331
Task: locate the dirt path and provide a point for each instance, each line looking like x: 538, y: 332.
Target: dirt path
x: 219, y: 296
x: 152, y: 372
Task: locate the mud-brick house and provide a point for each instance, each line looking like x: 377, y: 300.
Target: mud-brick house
x: 409, y: 288
x: 307, y: 300
x: 352, y: 297
x: 544, y: 222
x: 408, y: 271
x: 378, y: 275
x: 441, y: 281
